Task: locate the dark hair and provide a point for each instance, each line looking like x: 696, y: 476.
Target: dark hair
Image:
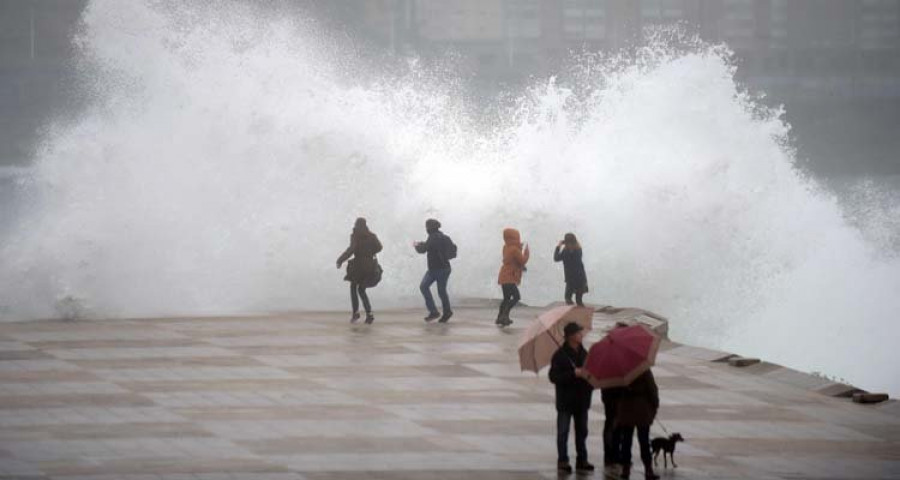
x: 432, y: 225
x: 571, y: 329
x: 571, y: 242
x: 360, y: 227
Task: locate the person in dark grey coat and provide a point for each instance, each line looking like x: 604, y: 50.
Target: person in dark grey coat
x: 636, y: 410
x: 610, y: 397
x: 568, y: 251
x: 573, y: 398
x: 439, y: 249
x: 361, y: 269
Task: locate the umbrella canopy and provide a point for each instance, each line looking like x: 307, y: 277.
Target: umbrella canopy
x: 543, y: 337
x: 621, y: 356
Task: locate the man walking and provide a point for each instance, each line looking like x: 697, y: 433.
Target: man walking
x: 573, y: 398
x: 440, y: 249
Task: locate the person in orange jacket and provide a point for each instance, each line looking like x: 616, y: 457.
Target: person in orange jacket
x: 515, y: 256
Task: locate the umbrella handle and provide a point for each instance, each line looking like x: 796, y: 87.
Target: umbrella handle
x: 659, y: 422
x: 560, y: 346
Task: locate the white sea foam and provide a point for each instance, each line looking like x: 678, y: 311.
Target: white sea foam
x: 226, y: 153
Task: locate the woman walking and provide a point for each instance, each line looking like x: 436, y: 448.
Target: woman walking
x: 568, y: 251
x: 363, y: 270
x: 515, y: 256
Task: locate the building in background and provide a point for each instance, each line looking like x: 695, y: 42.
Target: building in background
x: 35, y: 55
x: 780, y: 43
x: 835, y: 63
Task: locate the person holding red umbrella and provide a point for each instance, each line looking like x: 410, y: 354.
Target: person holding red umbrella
x: 573, y: 398
x: 636, y: 411
x: 623, y: 359
x: 610, y: 397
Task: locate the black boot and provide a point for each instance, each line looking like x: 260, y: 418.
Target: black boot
x: 648, y: 472
x: 583, y: 466
x: 626, y: 472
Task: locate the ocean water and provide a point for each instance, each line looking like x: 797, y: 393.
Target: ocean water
x: 227, y: 150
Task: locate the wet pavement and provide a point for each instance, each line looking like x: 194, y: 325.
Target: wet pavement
x: 309, y: 396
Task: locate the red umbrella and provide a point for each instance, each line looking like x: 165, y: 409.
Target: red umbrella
x: 621, y: 356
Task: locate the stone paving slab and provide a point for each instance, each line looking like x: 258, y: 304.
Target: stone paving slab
x: 307, y: 396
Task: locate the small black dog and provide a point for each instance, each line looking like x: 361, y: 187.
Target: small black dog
x: 665, y: 445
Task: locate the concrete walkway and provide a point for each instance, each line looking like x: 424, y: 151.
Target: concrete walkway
x: 308, y: 396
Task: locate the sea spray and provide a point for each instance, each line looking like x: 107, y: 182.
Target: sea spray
x: 225, y: 153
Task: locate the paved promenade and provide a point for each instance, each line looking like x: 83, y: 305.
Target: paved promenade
x: 308, y: 396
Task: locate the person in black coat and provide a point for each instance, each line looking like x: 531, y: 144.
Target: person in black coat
x: 636, y: 410
x: 361, y: 269
x: 568, y: 251
x: 439, y: 249
x: 610, y: 397
x: 573, y: 398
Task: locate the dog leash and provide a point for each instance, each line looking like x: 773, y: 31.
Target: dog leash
x: 659, y: 422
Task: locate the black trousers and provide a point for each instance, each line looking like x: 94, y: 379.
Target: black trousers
x: 610, y: 447
x: 578, y: 294
x: 510, y: 298
x: 563, y: 420
x: 358, y: 291
x: 624, y: 437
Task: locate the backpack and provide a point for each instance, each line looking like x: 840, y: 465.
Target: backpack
x: 375, y: 276
x: 451, y: 249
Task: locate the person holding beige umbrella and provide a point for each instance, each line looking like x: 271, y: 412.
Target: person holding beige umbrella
x: 556, y: 338
x: 573, y: 398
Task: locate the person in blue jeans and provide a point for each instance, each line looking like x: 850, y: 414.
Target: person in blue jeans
x: 439, y: 249
x: 573, y: 398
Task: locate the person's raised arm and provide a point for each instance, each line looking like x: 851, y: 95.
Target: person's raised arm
x: 521, y: 256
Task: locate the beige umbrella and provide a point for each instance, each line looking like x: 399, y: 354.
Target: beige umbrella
x: 543, y: 337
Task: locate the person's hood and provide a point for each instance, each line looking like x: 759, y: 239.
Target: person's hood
x: 432, y: 225
x: 511, y: 237
x: 360, y: 227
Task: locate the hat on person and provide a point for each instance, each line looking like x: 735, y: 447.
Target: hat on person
x: 571, y: 329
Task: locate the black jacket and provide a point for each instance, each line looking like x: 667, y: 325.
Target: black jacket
x: 437, y: 246
x: 639, y: 402
x: 363, y: 247
x: 573, y: 267
x: 573, y: 394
